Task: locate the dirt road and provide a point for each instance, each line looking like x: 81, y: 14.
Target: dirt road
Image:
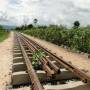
x: 6, y: 61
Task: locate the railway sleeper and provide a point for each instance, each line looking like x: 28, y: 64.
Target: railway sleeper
x: 17, y: 51
x: 22, y: 77
x: 19, y: 67
x: 18, y: 59
x: 17, y: 54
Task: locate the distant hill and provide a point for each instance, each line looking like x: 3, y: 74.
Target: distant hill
x: 8, y: 27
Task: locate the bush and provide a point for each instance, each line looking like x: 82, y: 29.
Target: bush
x: 77, y: 39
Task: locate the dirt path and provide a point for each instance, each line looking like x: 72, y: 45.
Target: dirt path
x: 77, y: 60
x: 5, y: 61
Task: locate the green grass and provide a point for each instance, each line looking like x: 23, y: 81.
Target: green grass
x: 3, y: 35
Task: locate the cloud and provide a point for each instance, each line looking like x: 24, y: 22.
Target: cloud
x: 46, y: 11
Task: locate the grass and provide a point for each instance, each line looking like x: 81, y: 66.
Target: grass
x: 3, y: 35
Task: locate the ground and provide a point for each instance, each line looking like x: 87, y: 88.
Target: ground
x: 6, y: 58
x: 6, y: 62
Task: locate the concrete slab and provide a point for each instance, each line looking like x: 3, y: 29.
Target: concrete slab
x: 18, y: 59
x: 73, y: 85
x: 17, y: 51
x: 42, y: 76
x: 29, y: 54
x: 64, y: 75
x: 19, y: 67
x: 17, y: 54
x: 19, y: 78
x: 16, y: 48
x: 60, y: 66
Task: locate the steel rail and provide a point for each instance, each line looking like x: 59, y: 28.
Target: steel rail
x: 46, y: 68
x: 53, y: 66
x: 82, y: 75
x: 34, y: 79
x: 44, y: 59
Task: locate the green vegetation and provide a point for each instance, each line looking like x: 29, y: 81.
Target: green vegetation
x: 76, y: 38
x: 76, y: 24
x: 3, y: 34
x: 36, y: 56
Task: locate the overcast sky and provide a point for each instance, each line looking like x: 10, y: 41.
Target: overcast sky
x: 17, y: 12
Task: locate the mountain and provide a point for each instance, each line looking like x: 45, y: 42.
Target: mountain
x: 8, y: 27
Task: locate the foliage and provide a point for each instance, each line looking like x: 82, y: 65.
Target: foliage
x: 76, y: 24
x: 77, y: 39
x: 29, y: 26
x: 36, y: 56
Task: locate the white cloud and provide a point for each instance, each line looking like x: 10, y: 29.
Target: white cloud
x: 46, y: 11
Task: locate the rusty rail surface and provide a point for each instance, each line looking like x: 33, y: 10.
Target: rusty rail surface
x: 33, y: 77
x: 47, y: 64
x: 82, y: 75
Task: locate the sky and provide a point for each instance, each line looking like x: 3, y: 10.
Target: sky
x: 65, y: 12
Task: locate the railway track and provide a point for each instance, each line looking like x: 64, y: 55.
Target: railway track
x: 51, y: 65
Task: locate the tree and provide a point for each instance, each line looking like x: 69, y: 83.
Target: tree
x: 30, y: 26
x: 1, y: 27
x: 76, y: 24
x: 35, y: 21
